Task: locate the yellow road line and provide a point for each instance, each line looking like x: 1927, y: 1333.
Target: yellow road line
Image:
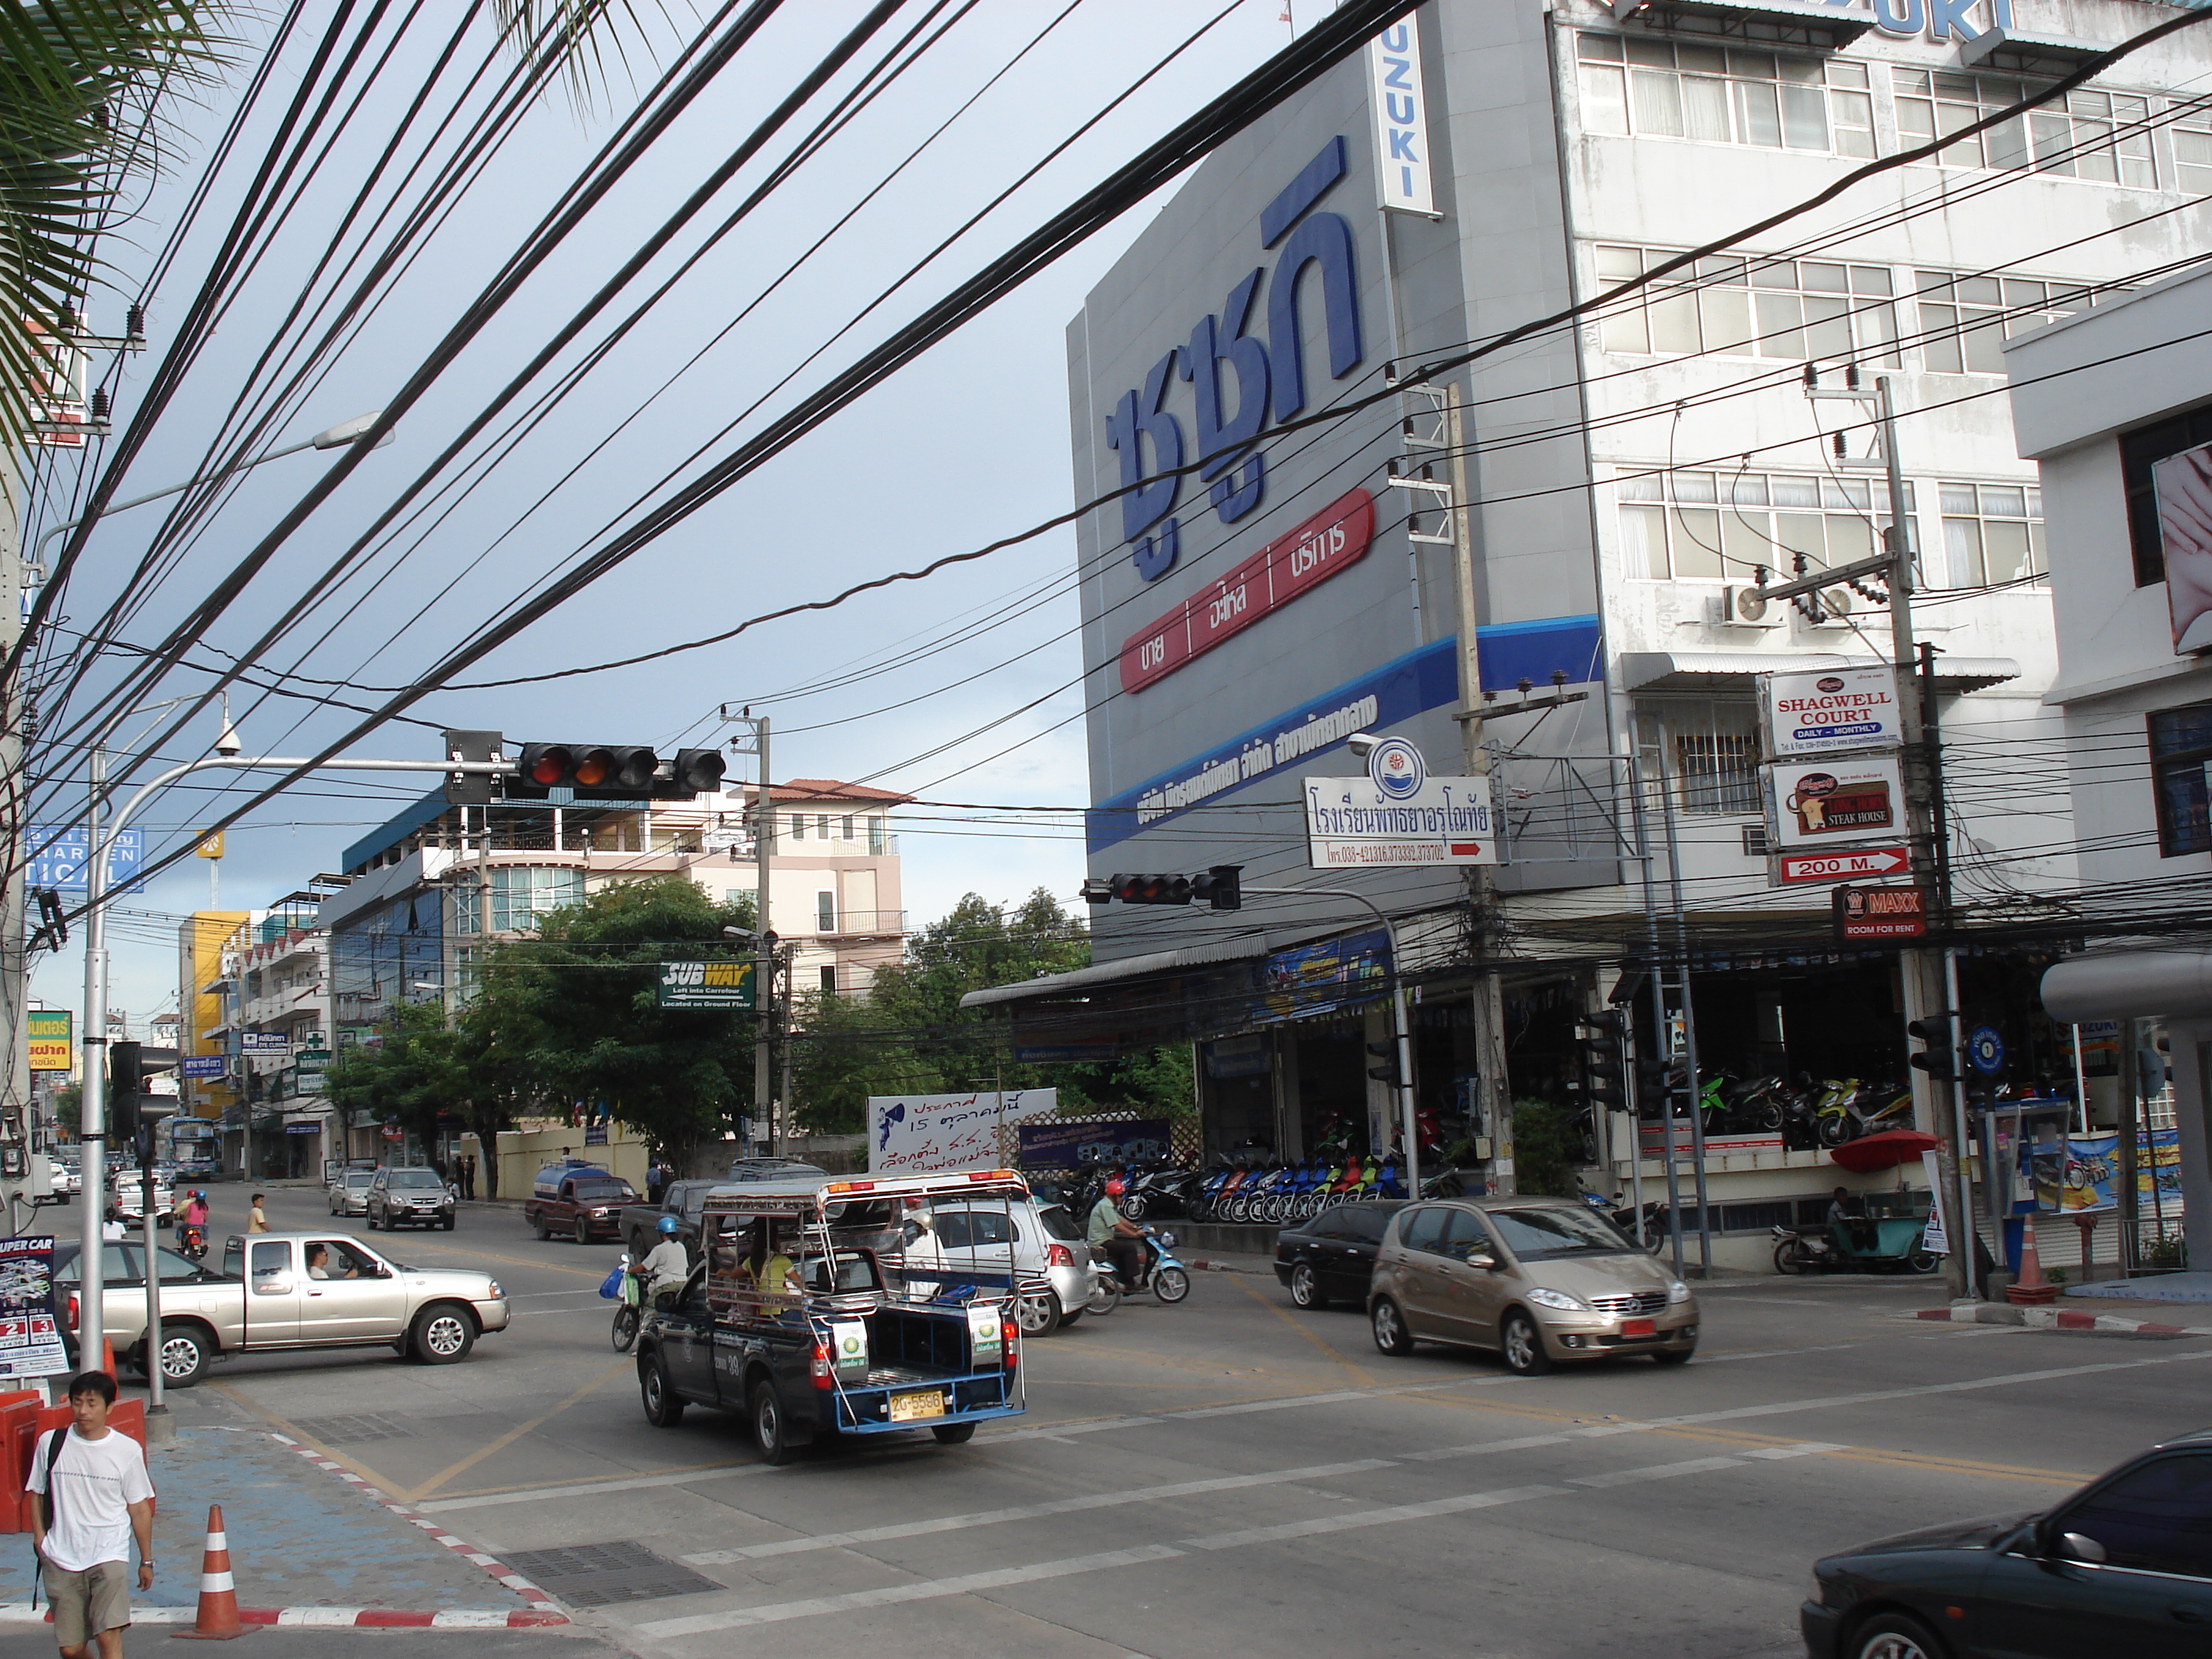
x: 619, y: 1369
x: 1359, y: 1371
x: 292, y: 1431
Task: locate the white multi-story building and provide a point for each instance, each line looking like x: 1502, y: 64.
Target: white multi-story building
x: 1626, y: 475
x: 2101, y: 403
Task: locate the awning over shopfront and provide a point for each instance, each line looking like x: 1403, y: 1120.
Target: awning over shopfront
x: 1163, y: 996
x: 2130, y: 985
x: 1117, y: 973
x: 1728, y: 671
x: 2013, y: 48
x: 1822, y: 25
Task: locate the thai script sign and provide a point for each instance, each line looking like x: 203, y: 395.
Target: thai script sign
x: 1352, y: 822
x: 51, y: 1034
x: 62, y: 857
x: 917, y: 1134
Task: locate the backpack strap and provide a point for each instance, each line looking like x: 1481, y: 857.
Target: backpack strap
x: 54, y: 1443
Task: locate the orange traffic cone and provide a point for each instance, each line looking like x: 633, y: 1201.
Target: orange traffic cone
x: 2030, y: 1288
x: 217, y: 1619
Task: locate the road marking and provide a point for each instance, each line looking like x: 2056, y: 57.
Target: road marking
x: 1656, y: 1471
x: 586, y: 1488
x: 969, y: 1583
x: 620, y: 1368
x: 1029, y: 1512
x: 892, y: 1595
x: 1772, y: 1353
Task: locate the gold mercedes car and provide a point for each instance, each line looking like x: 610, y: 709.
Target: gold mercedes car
x: 1539, y: 1280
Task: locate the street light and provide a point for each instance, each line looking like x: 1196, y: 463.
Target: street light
x: 336, y: 437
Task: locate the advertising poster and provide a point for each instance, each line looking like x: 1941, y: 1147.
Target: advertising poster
x: 30, y: 1337
x: 1830, y: 711
x: 724, y: 983
x: 917, y: 1134
x: 1074, y: 1142
x: 53, y: 1039
x: 1315, y: 979
x: 1817, y: 804
x: 2092, y: 1172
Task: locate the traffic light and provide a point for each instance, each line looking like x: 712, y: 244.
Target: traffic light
x: 600, y: 771
x: 126, y: 1078
x: 1601, y: 1038
x: 1386, y: 1072
x: 471, y: 788
x: 1152, y: 890
x: 694, y: 772
x: 1938, y: 1059
x: 1656, y: 1081
x: 1221, y: 887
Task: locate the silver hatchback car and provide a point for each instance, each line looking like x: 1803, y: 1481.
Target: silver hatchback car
x: 1539, y: 1280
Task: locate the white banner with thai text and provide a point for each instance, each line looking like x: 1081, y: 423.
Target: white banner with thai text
x: 920, y: 1134
x: 1353, y: 822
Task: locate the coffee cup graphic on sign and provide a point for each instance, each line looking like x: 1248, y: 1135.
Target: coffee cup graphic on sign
x: 1825, y: 805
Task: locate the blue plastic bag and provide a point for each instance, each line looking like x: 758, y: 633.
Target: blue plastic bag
x: 611, y: 1287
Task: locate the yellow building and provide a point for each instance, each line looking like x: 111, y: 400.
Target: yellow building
x: 200, y: 943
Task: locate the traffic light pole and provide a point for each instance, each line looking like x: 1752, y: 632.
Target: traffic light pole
x: 1400, y: 1032
x: 91, y: 1112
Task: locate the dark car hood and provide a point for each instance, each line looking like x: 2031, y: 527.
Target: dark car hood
x: 1951, y: 1535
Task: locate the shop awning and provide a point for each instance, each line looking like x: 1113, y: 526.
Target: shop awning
x: 2021, y: 49
x: 1823, y: 24
x: 2130, y: 985
x: 1728, y: 671
x: 1117, y: 973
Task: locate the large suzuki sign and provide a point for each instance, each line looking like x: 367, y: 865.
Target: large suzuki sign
x: 1266, y: 372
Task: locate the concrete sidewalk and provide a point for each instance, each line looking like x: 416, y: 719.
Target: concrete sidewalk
x: 301, y: 1537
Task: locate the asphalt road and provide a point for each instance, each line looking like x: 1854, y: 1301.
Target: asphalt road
x: 1232, y: 1477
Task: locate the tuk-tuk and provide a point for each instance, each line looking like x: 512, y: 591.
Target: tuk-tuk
x: 800, y: 1316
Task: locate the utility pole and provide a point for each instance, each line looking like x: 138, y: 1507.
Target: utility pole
x: 1494, y: 1098
x: 15, y: 832
x: 1920, y: 970
x: 763, y: 934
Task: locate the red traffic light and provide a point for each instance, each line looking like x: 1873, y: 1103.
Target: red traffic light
x: 548, y: 764
x: 605, y: 770
x: 1152, y: 890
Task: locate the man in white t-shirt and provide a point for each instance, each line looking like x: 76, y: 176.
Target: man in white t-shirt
x: 101, y: 1500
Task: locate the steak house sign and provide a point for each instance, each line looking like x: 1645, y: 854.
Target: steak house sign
x: 1269, y: 374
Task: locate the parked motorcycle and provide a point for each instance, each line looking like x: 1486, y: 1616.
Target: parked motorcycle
x: 1889, y: 1244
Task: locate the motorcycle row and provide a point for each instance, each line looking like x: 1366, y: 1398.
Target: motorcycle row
x: 1809, y: 1114
x: 1247, y: 1187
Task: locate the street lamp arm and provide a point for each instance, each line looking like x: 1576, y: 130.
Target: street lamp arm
x: 1402, y: 1027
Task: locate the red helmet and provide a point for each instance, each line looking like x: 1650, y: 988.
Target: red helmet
x: 1116, y: 1187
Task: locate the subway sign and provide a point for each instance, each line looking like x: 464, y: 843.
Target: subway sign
x: 1268, y: 374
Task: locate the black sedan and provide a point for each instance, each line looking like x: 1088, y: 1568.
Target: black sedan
x: 1332, y: 1257
x: 2124, y: 1566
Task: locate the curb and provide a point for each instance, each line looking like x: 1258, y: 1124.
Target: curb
x: 1200, y: 1264
x: 2055, y: 1319
x: 22, y: 1613
x: 544, y: 1609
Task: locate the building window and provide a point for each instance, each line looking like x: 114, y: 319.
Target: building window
x: 846, y: 832
x: 2192, y: 150
x: 2100, y: 136
x: 1710, y: 747
x: 828, y: 981
x: 2140, y: 451
x: 798, y: 826
x: 1993, y: 533
x: 1965, y: 320
x: 2180, y: 751
x: 1790, y: 309
x: 739, y: 895
x: 1663, y: 89
x: 875, y: 836
x: 825, y: 913
x: 521, y: 897
x: 821, y: 826
x: 1694, y: 526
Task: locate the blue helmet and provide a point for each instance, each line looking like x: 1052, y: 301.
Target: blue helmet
x: 668, y: 1224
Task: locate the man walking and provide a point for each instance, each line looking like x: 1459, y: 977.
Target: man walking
x: 94, y: 1499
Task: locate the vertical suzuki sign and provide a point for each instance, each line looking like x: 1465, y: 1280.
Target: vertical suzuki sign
x: 1401, y: 118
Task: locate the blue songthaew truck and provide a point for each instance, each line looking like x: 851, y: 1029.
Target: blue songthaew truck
x: 800, y: 1316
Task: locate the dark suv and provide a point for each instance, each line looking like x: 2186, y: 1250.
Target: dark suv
x: 409, y: 1198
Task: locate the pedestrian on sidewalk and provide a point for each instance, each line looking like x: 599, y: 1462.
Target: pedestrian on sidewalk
x: 257, y: 1221
x: 94, y: 1499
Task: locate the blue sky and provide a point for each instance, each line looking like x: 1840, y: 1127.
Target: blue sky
x: 965, y: 444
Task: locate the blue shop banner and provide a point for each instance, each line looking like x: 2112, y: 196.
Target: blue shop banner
x: 1319, y: 979
x: 1070, y: 1145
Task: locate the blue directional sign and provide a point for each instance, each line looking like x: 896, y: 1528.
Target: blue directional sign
x: 59, y: 859
x: 1985, y: 1047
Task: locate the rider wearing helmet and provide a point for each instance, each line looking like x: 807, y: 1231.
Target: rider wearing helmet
x: 1123, y: 1239
x: 669, y: 1263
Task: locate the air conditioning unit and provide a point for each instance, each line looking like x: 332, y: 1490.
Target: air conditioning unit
x: 1747, y: 607
x: 1836, y: 607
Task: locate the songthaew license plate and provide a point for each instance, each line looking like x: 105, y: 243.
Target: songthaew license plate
x: 912, y: 1407
x: 1638, y: 1327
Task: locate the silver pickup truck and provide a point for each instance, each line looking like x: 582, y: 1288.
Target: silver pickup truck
x: 312, y: 1290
